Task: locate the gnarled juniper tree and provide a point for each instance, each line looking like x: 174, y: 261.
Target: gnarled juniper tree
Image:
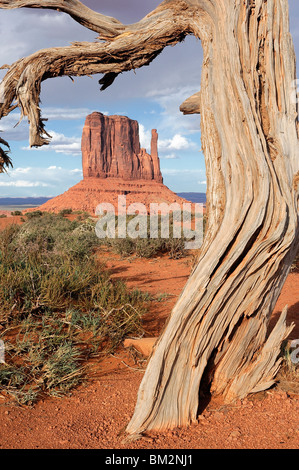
x: 249, y: 127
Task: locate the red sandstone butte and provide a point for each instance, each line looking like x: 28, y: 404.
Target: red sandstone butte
x: 111, y: 149
x: 115, y: 164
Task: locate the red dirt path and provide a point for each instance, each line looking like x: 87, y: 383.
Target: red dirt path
x: 95, y: 415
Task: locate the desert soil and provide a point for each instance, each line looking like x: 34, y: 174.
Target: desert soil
x: 95, y: 415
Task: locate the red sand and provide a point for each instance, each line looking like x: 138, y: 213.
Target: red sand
x: 95, y: 415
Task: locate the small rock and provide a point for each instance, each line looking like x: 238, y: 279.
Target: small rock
x: 143, y: 345
x: 148, y: 439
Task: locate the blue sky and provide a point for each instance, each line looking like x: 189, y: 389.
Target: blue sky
x: 152, y: 95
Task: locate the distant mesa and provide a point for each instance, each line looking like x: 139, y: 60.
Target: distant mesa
x: 115, y: 164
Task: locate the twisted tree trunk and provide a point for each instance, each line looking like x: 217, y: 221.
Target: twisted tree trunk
x: 218, y: 330
x: 249, y: 136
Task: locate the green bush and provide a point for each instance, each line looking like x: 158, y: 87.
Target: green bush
x: 16, y: 213
x: 31, y: 215
x: 64, y: 212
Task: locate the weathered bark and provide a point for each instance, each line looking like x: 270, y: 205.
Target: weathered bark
x: 218, y: 330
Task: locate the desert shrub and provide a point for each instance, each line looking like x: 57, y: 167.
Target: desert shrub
x: 31, y: 215
x: 148, y: 247
x: 124, y: 247
x: 288, y: 375
x: 64, y: 212
x: 81, y: 215
x: 16, y: 213
x: 3, y: 216
x: 58, y: 306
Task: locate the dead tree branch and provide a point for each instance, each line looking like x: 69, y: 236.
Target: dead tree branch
x: 137, y: 46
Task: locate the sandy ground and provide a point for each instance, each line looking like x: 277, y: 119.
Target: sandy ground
x: 95, y: 415
x: 9, y: 219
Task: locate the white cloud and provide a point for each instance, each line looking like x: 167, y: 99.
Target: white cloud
x: 171, y: 156
x: 178, y: 142
x: 22, y: 170
x: 73, y: 148
x: 14, y: 129
x: 145, y: 137
x: 180, y: 171
x: 60, y: 144
x: 23, y: 184
x: 67, y: 114
x: 36, y: 176
x: 51, y: 29
x: 169, y: 100
x: 58, y: 138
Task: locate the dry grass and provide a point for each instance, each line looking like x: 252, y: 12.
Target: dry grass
x: 58, y: 306
x: 288, y: 375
